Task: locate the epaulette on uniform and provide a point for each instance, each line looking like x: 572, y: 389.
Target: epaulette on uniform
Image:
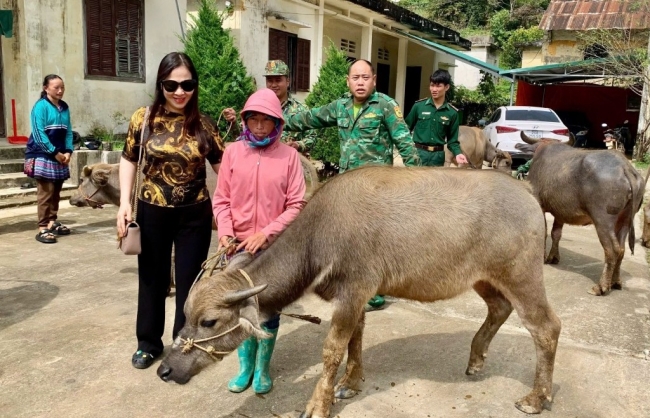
x: 453, y: 107
x: 421, y: 100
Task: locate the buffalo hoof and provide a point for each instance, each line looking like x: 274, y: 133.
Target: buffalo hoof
x: 552, y: 260
x: 598, y: 291
x: 617, y: 286
x: 343, y: 392
x: 307, y: 415
x: 530, y: 404
x: 472, y: 370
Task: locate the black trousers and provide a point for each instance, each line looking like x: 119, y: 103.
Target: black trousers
x: 189, y: 228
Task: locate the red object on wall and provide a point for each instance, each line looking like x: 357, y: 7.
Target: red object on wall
x: 15, y: 139
x: 601, y: 104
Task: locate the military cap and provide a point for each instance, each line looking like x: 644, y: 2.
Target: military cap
x: 276, y: 67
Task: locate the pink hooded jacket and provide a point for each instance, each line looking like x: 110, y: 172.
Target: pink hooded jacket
x: 258, y: 189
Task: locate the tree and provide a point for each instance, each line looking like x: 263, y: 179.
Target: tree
x: 484, y: 100
x: 223, y: 79
x: 330, y: 86
x: 625, y: 58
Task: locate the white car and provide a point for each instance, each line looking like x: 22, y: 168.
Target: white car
x: 504, y: 128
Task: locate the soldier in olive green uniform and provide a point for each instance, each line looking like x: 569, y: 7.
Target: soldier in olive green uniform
x: 369, y: 125
x: 278, y: 79
x: 434, y: 122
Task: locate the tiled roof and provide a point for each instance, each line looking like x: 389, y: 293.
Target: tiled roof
x: 596, y: 14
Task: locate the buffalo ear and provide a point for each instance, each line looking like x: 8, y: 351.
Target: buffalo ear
x: 237, y: 296
x: 87, y: 171
x: 239, y: 261
x: 100, y: 176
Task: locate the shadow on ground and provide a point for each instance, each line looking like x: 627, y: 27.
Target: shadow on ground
x: 22, y: 226
x: 296, y: 368
x: 24, y: 300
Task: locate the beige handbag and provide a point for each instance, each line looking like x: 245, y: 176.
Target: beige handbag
x: 130, y: 243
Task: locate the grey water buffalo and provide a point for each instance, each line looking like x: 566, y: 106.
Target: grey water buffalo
x: 472, y: 229
x: 100, y: 185
x: 478, y: 149
x: 581, y: 187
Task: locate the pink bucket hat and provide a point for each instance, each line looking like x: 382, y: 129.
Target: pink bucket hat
x: 264, y: 101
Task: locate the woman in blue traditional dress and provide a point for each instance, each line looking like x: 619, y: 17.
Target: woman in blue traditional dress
x: 48, y: 154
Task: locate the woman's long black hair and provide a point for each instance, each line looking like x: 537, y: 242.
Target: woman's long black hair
x: 192, y: 124
x: 46, y: 82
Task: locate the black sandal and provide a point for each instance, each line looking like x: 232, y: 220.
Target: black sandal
x: 59, y: 229
x: 46, y: 237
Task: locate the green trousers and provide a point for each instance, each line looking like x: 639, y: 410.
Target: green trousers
x: 432, y: 159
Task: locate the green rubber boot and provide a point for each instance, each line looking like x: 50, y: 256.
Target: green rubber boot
x: 375, y: 303
x: 246, y: 351
x: 262, y: 382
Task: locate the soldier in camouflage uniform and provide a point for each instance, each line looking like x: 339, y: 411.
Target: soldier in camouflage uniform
x: 434, y: 122
x: 369, y: 124
x: 278, y: 79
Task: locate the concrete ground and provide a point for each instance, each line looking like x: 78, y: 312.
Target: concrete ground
x: 67, y: 321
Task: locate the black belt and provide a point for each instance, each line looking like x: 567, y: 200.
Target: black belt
x: 431, y: 148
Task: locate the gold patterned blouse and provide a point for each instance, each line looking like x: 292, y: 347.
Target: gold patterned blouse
x: 174, y: 169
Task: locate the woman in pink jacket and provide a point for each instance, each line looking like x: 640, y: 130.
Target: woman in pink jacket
x: 260, y: 190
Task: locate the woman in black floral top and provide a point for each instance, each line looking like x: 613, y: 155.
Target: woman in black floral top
x: 173, y: 201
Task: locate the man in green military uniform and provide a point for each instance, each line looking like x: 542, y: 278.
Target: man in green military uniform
x: 434, y: 122
x: 278, y: 79
x: 369, y: 124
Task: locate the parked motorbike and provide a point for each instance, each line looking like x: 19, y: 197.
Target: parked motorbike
x: 615, y: 137
x: 581, y: 139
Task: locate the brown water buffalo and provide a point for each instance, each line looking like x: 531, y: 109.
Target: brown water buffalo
x: 581, y: 187
x: 438, y: 233
x: 478, y: 149
x: 100, y: 185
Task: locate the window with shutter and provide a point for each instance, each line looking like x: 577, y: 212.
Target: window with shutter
x: 114, y: 39
x: 279, y: 45
x: 302, y: 65
x: 295, y: 52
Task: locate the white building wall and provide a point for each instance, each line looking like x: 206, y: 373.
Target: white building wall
x: 391, y: 44
x: 49, y: 37
x: 469, y: 76
x: 419, y: 56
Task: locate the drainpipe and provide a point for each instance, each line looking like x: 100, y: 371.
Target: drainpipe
x: 512, y: 88
x: 180, y: 20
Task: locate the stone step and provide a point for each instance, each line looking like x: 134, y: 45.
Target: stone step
x: 16, y: 196
x: 11, y: 166
x: 12, y: 152
x: 11, y: 180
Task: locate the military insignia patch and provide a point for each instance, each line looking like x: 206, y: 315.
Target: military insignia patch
x: 398, y: 112
x: 444, y: 118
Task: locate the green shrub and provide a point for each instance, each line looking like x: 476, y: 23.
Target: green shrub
x: 330, y: 86
x: 223, y: 78
x: 481, y: 102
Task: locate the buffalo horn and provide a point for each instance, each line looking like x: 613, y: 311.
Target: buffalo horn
x: 528, y: 139
x: 237, y: 296
x: 572, y: 139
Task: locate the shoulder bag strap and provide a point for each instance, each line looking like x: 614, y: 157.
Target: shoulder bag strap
x: 138, y: 172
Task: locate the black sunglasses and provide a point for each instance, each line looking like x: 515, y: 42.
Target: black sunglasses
x: 171, y: 86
